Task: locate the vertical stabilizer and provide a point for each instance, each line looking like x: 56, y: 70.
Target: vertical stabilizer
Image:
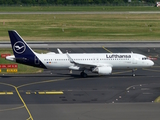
x: 22, y: 52
x: 19, y: 46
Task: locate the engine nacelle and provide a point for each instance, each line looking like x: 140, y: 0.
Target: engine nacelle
x: 105, y: 70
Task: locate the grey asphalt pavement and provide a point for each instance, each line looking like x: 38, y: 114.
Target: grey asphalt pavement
x: 117, y: 97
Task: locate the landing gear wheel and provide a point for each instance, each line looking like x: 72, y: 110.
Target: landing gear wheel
x: 83, y: 74
x: 133, y: 73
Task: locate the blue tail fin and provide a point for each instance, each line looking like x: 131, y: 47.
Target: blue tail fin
x: 22, y: 52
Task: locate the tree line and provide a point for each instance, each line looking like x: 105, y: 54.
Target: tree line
x: 71, y: 2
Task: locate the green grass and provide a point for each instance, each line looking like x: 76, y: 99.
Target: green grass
x: 96, y: 27
x: 82, y: 27
x: 76, y: 8
x: 21, y: 68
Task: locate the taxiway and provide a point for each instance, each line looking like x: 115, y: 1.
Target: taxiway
x: 118, y: 96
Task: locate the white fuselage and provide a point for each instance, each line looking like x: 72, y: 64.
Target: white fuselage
x: 114, y: 60
x: 101, y: 63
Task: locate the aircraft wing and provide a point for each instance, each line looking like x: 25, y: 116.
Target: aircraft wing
x: 85, y: 65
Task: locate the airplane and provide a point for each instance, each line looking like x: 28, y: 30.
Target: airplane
x: 101, y: 63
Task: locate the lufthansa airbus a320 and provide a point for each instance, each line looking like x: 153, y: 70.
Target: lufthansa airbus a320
x: 101, y: 63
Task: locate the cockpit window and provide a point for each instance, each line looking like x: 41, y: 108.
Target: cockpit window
x: 145, y: 58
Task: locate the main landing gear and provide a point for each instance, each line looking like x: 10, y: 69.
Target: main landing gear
x: 83, y: 74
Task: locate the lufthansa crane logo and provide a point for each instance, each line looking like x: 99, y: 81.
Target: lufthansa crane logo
x: 19, y: 47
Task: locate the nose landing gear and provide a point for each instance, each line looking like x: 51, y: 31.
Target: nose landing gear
x: 133, y: 73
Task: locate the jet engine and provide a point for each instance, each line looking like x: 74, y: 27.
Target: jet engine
x: 104, y: 70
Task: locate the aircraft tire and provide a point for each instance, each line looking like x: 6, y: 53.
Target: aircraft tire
x: 83, y: 74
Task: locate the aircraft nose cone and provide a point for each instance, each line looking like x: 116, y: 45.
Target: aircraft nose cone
x: 151, y: 63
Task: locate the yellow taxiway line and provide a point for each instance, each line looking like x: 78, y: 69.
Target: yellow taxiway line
x: 151, y: 70
x: 40, y: 82
x: 12, y: 109
x: 20, y: 98
x: 6, y: 93
x: 106, y: 49
x: 157, y: 100
x: 51, y: 93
